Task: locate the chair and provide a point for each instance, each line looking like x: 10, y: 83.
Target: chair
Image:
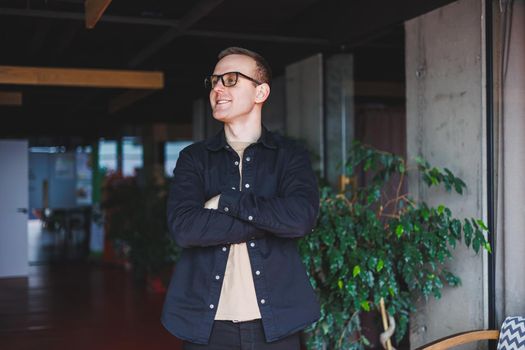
x: 511, y: 336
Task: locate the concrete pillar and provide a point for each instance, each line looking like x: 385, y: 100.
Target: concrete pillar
x: 199, y: 120
x: 274, y: 110
x: 339, y: 116
x: 510, y: 241
x: 446, y: 125
x: 304, y: 107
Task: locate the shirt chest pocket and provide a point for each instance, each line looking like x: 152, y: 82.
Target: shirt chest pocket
x: 260, y: 174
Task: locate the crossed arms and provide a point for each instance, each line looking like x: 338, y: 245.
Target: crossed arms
x: 241, y: 215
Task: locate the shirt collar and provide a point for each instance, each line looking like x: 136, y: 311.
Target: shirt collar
x: 219, y: 140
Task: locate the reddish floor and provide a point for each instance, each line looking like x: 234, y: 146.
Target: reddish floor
x: 79, y: 306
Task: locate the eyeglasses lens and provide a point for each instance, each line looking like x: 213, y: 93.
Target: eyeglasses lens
x: 228, y: 80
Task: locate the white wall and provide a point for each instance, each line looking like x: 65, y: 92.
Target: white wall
x: 14, y: 196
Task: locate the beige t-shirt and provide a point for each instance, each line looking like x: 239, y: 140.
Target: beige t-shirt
x: 238, y: 301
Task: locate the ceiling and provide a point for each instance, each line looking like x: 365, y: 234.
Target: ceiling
x: 181, y: 38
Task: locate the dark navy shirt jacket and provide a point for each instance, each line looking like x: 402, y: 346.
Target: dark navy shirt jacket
x: 278, y: 204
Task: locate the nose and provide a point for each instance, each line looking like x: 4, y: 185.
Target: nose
x: 219, y: 86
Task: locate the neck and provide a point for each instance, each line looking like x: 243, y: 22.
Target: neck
x: 243, y: 132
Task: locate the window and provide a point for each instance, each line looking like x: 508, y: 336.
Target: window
x: 107, y: 155
x: 132, y: 152
x: 171, y: 151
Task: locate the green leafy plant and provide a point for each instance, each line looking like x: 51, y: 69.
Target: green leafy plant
x: 373, y: 242
x: 136, y: 224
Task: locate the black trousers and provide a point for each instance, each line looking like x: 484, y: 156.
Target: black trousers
x: 227, y: 335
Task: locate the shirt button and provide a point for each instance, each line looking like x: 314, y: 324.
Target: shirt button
x: 236, y: 163
x: 212, y: 306
x: 257, y: 272
x: 224, y: 249
x: 248, y: 159
x: 263, y: 301
x: 217, y: 277
x: 226, y: 209
x: 250, y: 218
x: 233, y: 188
x: 247, y: 185
x: 252, y: 244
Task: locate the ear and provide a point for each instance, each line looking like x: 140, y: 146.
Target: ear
x: 262, y: 93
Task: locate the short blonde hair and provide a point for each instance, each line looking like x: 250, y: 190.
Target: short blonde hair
x: 263, y: 71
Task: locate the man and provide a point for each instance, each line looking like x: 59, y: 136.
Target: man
x: 238, y: 202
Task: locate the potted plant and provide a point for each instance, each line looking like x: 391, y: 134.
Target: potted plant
x: 372, y: 243
x: 136, y: 225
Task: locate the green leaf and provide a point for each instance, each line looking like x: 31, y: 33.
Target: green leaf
x: 380, y: 265
x: 476, y: 244
x: 340, y: 284
x: 399, y: 230
x: 455, y: 226
x: 356, y: 271
x: 482, y: 224
x: 441, y: 208
x: 365, y: 305
x: 422, y: 162
x: 325, y: 327
x: 425, y: 213
x: 458, y: 186
x: 374, y: 195
x: 467, y: 230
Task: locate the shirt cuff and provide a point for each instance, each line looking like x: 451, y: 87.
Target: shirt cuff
x: 229, y: 202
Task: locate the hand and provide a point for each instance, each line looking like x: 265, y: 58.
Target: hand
x: 212, y: 203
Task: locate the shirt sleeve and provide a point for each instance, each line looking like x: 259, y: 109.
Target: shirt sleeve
x: 192, y: 225
x: 292, y: 214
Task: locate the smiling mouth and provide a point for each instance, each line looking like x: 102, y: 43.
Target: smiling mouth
x: 221, y: 102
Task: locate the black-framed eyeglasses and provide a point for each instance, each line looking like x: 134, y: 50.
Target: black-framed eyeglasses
x: 228, y: 79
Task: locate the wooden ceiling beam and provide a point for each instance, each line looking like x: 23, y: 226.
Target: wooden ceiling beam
x: 92, y: 78
x: 10, y: 98
x: 94, y: 10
